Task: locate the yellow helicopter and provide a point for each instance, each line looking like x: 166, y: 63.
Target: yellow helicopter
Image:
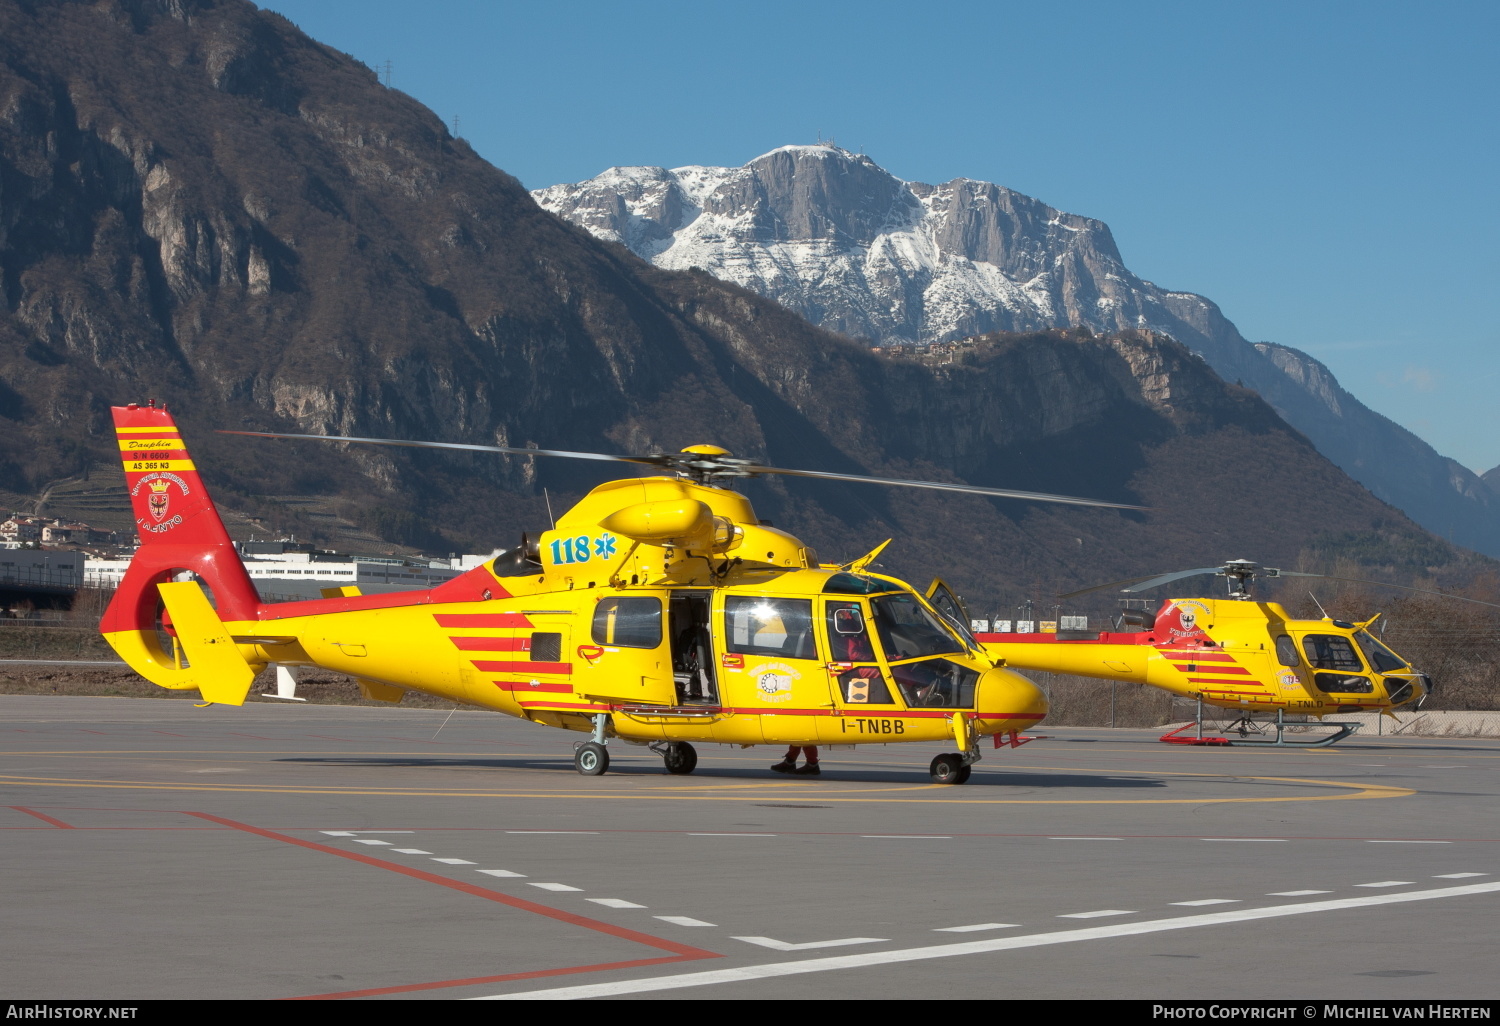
x: 658, y: 610
x: 1235, y: 653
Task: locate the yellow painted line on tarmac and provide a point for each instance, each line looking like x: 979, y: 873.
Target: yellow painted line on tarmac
x: 673, y: 794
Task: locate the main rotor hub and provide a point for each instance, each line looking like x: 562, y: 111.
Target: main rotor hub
x: 707, y: 464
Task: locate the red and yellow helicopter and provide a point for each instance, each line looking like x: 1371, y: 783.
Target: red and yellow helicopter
x: 1235, y: 653
x: 659, y: 610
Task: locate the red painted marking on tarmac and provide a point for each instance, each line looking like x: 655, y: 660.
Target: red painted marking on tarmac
x: 44, y: 817
x: 660, y: 943
x: 475, y: 981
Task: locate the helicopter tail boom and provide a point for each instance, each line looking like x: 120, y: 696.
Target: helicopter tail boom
x: 182, y: 539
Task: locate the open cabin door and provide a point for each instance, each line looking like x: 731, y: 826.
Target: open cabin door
x: 626, y: 658
x: 951, y: 607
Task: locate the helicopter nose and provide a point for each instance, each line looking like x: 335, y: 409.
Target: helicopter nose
x: 1006, y: 701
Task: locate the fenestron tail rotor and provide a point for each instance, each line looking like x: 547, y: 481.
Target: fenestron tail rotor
x: 706, y: 464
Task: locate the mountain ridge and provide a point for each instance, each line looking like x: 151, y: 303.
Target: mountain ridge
x: 851, y: 247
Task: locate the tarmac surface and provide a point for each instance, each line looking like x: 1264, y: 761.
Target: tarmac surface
x: 153, y: 849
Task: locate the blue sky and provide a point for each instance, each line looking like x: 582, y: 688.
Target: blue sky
x: 1325, y: 172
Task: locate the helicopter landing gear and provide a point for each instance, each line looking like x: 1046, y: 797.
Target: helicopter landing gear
x: 950, y: 768
x: 591, y: 758
x: 678, y: 756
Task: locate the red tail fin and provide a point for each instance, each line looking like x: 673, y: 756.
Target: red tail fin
x: 178, y: 526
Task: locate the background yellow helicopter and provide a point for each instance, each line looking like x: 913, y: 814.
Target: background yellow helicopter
x: 1236, y: 653
x: 659, y: 610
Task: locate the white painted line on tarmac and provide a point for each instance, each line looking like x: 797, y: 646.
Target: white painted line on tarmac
x: 554, y: 886
x: 830, y: 963
x: 369, y: 840
x: 410, y: 851
x: 1098, y: 914
x: 614, y: 903
x: 1266, y: 840
x: 1294, y: 894
x: 907, y: 837
x: 456, y: 862
x: 1457, y: 876
x: 772, y: 942
x: 337, y: 833
x: 682, y: 920
x: 1387, y: 883
x: 1207, y: 901
x: 975, y: 928
x: 732, y: 835
x: 1371, y: 841
x: 551, y: 831
x: 501, y: 872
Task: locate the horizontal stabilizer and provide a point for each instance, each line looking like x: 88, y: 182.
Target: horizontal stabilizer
x: 215, y: 666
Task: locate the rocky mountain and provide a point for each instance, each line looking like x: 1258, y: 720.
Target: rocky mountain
x: 199, y: 203
x: 836, y: 238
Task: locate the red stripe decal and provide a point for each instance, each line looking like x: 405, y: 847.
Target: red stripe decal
x: 1218, y: 680
x: 567, y: 706
x: 1225, y: 670
x: 494, y: 666
x: 1199, y: 657
x: 523, y: 687
x: 492, y: 644
x: 492, y: 620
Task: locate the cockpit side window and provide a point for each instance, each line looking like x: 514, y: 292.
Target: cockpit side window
x: 1331, y: 652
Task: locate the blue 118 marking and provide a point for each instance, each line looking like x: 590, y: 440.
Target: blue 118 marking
x: 579, y: 549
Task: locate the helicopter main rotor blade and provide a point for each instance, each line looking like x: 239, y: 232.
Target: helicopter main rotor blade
x: 730, y: 467
x: 1104, y: 587
x: 1381, y: 584
x: 1155, y: 582
x: 1003, y: 493
x: 648, y: 460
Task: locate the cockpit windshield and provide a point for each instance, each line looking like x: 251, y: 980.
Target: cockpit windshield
x: 1380, y: 657
x: 908, y: 631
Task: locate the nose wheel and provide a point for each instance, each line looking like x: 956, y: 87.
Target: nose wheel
x: 950, y: 768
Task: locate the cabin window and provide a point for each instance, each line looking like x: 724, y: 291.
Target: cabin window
x: 769, y: 626
x: 1331, y: 652
x: 546, y: 647
x: 908, y: 630
x: 1380, y: 657
x: 628, y: 622
x: 1286, y: 650
x: 856, y: 584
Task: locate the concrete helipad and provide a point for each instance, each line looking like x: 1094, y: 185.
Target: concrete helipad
x: 157, y: 850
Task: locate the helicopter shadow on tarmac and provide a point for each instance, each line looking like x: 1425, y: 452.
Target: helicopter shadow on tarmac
x: 839, y: 775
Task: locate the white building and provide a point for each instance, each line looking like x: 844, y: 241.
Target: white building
x: 289, y: 576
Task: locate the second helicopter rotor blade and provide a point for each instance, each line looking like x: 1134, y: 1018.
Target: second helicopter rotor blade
x: 1382, y: 584
x: 1156, y: 582
x: 1104, y: 587
x: 507, y: 449
x: 1001, y: 493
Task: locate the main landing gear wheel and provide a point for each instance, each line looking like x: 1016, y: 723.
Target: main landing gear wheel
x: 591, y: 759
x: 949, y: 768
x: 680, y: 758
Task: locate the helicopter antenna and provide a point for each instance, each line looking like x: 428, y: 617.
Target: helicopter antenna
x: 1318, y: 604
x: 550, y: 517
